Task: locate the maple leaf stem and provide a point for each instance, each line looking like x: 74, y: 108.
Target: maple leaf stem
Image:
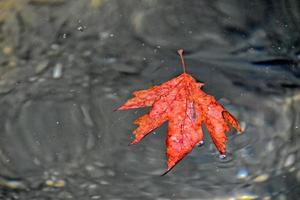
x: 180, y: 52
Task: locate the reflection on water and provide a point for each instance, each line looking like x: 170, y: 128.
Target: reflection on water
x: 65, y: 66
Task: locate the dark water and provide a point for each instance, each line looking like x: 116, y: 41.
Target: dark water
x: 66, y: 65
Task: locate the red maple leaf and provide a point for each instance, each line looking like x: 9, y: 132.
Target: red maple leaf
x: 182, y: 103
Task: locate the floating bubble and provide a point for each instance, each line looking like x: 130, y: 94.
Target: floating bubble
x: 80, y: 28
x: 201, y: 143
x: 222, y: 156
